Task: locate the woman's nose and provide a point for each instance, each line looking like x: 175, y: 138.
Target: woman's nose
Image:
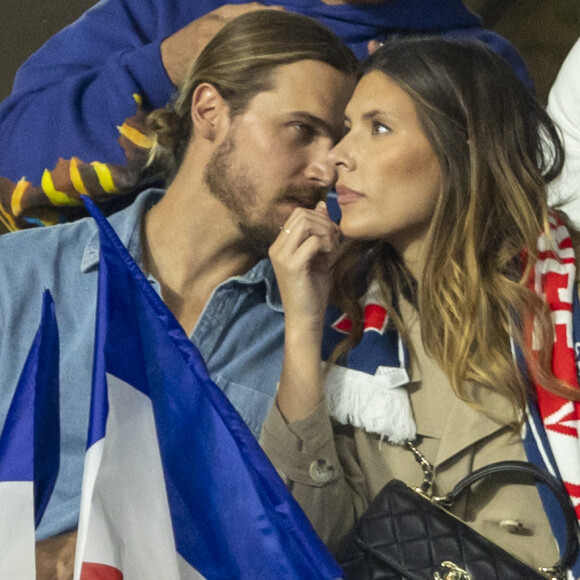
x: 341, y: 156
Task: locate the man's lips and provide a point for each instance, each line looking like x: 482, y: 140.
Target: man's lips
x: 346, y: 195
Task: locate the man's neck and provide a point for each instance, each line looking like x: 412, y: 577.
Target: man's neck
x: 189, y: 248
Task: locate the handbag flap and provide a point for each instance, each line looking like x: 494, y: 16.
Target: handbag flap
x: 409, y: 533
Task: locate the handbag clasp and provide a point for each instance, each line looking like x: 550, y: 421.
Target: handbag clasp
x: 554, y: 573
x: 452, y: 572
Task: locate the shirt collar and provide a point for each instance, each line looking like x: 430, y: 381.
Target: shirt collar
x: 263, y: 272
x: 127, y: 225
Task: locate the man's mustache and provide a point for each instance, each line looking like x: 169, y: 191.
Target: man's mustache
x: 305, y: 196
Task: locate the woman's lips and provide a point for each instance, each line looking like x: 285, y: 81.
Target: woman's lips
x: 346, y: 196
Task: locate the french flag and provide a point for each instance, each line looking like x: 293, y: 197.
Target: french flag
x: 175, y: 485
x: 29, y: 450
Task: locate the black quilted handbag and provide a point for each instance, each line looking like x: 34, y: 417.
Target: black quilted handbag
x: 406, y: 534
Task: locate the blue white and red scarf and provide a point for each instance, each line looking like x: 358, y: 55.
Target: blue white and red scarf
x: 552, y: 439
x: 367, y: 389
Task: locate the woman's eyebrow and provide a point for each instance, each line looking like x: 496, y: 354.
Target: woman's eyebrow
x: 378, y: 113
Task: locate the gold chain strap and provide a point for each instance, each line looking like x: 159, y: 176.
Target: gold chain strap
x: 426, y: 467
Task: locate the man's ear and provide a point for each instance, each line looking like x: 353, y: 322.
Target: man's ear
x: 209, y: 112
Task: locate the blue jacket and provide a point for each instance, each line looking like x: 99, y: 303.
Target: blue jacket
x: 70, y: 96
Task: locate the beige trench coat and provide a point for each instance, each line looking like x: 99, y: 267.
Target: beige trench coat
x: 335, y: 470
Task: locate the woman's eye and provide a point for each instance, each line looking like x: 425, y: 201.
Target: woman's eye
x: 380, y: 128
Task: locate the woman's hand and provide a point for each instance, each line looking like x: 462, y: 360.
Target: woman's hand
x: 302, y: 256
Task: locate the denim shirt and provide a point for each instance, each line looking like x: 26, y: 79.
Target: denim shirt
x: 239, y: 333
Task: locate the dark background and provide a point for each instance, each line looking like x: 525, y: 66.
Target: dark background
x: 542, y: 30
x: 25, y: 25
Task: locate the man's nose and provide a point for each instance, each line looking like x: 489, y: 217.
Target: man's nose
x: 321, y: 170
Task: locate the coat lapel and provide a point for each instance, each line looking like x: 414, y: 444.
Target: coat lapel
x: 465, y: 425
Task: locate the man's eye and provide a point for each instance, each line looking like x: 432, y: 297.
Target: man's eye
x: 303, y: 130
x: 380, y: 128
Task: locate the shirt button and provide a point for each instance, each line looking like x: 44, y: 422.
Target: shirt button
x: 320, y: 471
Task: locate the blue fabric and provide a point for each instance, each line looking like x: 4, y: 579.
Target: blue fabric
x: 376, y: 349
x: 30, y: 438
x: 240, y: 333
x: 219, y: 481
x: 70, y: 96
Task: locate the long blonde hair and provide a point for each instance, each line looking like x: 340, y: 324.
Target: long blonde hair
x: 497, y: 149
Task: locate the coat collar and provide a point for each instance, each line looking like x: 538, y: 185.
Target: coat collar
x: 465, y: 424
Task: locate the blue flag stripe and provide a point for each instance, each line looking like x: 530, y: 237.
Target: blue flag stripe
x: 30, y: 439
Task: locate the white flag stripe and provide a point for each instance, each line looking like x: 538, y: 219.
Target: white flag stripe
x: 17, y: 561
x: 129, y: 526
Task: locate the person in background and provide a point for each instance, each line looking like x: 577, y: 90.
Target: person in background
x: 247, y: 141
x: 564, y: 108
x: 123, y: 58
x: 450, y: 253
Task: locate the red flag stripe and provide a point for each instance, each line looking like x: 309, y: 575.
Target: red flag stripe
x: 92, y: 571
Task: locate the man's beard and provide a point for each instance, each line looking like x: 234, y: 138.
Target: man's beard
x: 235, y: 189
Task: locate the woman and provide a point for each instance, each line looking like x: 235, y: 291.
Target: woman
x: 441, y: 183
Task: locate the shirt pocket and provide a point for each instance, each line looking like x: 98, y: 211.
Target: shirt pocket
x: 251, y: 404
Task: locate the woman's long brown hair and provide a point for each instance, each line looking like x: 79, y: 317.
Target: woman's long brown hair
x: 497, y: 149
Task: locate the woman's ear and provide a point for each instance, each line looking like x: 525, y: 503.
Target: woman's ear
x: 209, y: 112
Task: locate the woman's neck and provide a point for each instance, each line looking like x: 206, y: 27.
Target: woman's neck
x: 411, y: 253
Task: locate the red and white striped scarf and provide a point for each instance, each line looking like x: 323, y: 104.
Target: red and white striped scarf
x: 554, y: 280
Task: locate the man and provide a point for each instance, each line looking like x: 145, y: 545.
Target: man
x: 261, y: 109
x: 70, y: 98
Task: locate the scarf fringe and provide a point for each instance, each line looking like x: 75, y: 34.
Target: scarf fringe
x: 376, y: 403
